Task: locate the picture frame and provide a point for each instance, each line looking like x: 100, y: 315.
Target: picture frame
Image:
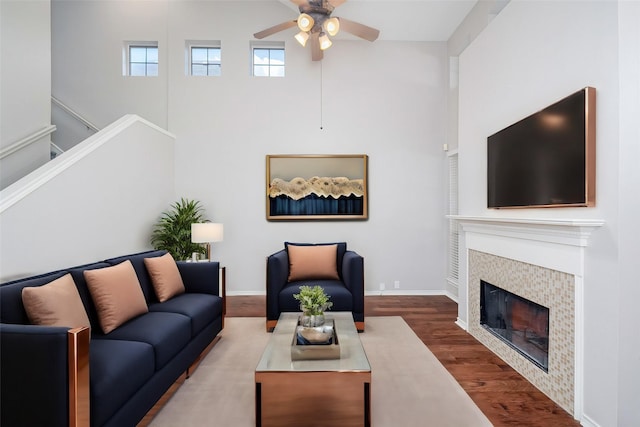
x: 316, y: 187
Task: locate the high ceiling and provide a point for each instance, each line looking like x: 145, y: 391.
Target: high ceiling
x: 404, y: 20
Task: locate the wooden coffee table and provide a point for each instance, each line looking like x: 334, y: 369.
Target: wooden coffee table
x: 313, y: 392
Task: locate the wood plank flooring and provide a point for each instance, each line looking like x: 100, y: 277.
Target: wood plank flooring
x: 503, y: 395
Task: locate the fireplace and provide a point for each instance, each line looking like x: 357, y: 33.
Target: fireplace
x: 542, y: 261
x: 540, y: 286
x: 519, y: 322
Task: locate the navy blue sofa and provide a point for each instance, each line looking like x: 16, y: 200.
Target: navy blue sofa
x: 346, y: 293
x: 57, y: 376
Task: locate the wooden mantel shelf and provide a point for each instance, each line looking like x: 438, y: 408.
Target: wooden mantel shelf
x: 575, y: 232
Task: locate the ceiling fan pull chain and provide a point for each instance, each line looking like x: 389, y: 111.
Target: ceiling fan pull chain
x: 320, y: 95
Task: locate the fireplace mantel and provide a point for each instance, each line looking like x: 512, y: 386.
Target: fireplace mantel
x: 555, y: 244
x: 574, y: 232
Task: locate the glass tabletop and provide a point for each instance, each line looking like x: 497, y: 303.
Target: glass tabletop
x: 277, y: 354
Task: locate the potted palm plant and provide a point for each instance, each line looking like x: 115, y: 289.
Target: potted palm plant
x: 172, y: 232
x: 313, y: 303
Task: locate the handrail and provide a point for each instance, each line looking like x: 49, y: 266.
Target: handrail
x: 73, y: 114
x: 24, y: 142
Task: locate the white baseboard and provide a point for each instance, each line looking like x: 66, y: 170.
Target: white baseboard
x: 588, y: 422
x: 389, y: 292
x: 462, y: 324
x: 407, y: 292
x: 245, y: 293
x: 451, y: 296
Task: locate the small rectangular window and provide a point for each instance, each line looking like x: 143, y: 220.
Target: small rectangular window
x: 204, y: 58
x: 141, y: 59
x: 268, y: 61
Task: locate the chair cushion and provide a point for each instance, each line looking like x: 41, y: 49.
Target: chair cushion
x: 168, y: 333
x: 202, y: 309
x: 57, y: 303
x: 313, y: 262
x: 165, y: 277
x: 116, y: 293
x: 118, y: 370
x: 339, y: 295
x: 341, y: 249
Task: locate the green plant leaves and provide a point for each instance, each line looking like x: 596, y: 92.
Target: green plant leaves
x: 313, y: 300
x: 172, y: 232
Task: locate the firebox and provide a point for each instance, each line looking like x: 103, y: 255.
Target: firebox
x: 520, y: 323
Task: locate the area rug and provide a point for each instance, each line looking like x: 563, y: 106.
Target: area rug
x: 409, y: 385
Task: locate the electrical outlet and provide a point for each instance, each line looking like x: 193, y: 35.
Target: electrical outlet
x: 396, y: 284
x: 382, y: 286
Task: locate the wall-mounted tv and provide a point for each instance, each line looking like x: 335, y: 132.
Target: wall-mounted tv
x: 546, y: 159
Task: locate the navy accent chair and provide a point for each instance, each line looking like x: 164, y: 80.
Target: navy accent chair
x: 346, y: 294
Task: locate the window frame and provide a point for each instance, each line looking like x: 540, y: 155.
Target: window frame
x: 207, y: 44
x: 268, y: 46
x: 126, y: 66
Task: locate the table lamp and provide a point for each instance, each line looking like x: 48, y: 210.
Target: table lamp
x: 207, y: 232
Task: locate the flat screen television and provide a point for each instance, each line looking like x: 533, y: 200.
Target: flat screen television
x: 546, y: 159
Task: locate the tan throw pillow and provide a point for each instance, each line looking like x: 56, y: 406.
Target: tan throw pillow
x: 165, y: 276
x: 312, y: 262
x: 57, y: 303
x: 116, y: 293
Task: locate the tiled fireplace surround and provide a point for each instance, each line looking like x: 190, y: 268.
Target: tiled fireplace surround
x: 541, y: 260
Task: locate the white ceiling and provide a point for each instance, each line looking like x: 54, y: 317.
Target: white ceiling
x: 404, y: 20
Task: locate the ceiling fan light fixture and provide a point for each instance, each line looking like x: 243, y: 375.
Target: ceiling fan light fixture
x: 305, y: 22
x: 332, y: 26
x: 325, y: 43
x: 302, y: 38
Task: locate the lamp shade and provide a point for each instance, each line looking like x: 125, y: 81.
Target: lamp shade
x: 325, y: 43
x: 207, y: 232
x: 305, y: 22
x: 332, y: 26
x: 302, y: 38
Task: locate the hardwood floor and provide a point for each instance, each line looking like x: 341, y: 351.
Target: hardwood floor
x: 503, y: 395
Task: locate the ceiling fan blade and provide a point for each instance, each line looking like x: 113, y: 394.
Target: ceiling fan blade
x: 359, y: 30
x: 316, y: 52
x: 300, y: 2
x: 275, y: 29
x: 335, y: 3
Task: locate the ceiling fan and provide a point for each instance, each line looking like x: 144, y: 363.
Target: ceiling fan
x: 316, y: 24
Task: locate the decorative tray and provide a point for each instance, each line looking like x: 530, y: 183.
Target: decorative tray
x: 315, y: 343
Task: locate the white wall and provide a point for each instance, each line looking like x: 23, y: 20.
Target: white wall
x: 73, y: 212
x: 383, y: 99
x: 531, y: 55
x: 629, y: 196
x: 87, y: 45
x: 25, y: 84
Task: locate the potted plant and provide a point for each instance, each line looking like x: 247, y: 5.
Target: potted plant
x: 313, y: 303
x: 172, y: 232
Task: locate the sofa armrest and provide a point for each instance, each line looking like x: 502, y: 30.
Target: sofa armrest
x: 353, y: 276
x: 201, y: 277
x: 44, y: 375
x: 277, y: 276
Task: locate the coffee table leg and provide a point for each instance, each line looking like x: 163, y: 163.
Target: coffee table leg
x: 258, y: 404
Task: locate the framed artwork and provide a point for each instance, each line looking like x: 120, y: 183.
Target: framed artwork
x: 317, y: 187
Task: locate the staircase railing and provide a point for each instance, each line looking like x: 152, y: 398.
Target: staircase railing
x: 26, y: 141
x: 73, y: 114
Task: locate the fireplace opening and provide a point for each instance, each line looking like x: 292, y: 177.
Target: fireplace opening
x: 520, y: 323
